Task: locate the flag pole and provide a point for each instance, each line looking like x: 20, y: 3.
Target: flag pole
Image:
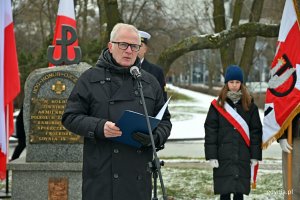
x: 7, y: 148
x: 289, y: 165
x: 7, y: 133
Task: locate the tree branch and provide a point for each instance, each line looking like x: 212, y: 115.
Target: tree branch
x: 214, y: 41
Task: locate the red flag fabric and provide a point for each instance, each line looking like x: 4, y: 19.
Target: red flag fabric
x: 283, y: 94
x: 254, y: 170
x: 9, y: 80
x: 65, y: 16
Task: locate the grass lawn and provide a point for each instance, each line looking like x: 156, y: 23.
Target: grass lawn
x: 196, y: 183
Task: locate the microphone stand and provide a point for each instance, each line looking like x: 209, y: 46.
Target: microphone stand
x: 155, y: 165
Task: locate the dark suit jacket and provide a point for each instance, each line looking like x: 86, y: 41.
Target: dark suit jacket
x: 157, y: 72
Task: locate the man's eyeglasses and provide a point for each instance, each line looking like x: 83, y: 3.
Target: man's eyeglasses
x: 124, y: 46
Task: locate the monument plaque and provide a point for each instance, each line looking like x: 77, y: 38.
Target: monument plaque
x: 46, y: 93
x: 45, y: 119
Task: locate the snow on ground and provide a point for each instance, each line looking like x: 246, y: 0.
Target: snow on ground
x: 193, y: 126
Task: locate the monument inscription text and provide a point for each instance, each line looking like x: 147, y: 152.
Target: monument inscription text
x: 47, y: 106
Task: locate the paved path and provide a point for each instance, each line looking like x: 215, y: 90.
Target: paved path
x: 191, y: 153
x: 195, y: 149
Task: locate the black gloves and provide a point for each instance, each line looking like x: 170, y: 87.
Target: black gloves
x: 144, y: 139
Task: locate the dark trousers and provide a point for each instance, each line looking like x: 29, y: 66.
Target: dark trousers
x: 236, y: 196
x: 20, y: 135
x: 18, y: 150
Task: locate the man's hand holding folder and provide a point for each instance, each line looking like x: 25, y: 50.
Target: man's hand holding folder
x: 135, y: 131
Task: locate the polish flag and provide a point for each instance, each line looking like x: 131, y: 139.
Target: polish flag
x: 283, y: 94
x: 65, y: 16
x: 9, y: 80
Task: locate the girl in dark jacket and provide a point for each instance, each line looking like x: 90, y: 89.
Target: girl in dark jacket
x: 233, y: 135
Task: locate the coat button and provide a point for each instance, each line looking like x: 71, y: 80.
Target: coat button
x: 139, y: 177
x: 91, y: 134
x: 139, y: 151
x: 116, y: 150
x: 116, y: 175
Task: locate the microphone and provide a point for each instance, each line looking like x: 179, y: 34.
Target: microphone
x: 135, y: 72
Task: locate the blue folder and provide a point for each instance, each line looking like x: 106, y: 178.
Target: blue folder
x: 132, y: 122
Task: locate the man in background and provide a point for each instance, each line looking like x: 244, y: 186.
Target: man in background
x: 153, y: 69
x: 295, y: 150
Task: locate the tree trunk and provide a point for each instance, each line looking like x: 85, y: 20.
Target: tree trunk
x: 50, y: 17
x: 84, y: 23
x: 228, y: 52
x: 42, y: 26
x: 109, y: 16
x: 249, y: 46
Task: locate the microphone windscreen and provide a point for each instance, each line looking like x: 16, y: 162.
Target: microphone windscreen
x: 135, y: 72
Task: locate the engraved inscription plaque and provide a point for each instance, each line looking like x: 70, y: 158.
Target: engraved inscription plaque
x: 47, y: 106
x: 58, y: 188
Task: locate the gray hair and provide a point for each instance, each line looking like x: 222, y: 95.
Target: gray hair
x: 119, y: 26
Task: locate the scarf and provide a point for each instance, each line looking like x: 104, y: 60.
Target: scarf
x: 234, y: 96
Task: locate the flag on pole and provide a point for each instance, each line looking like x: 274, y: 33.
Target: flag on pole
x: 65, y: 16
x: 283, y: 94
x: 254, y: 172
x: 9, y: 80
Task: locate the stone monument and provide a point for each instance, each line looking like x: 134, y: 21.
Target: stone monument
x: 53, y: 165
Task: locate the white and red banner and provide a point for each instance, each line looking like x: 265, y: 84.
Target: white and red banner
x: 9, y: 80
x: 283, y: 94
x: 235, y: 119
x: 65, y: 16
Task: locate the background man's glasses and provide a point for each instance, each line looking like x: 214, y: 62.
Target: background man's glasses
x: 124, y: 46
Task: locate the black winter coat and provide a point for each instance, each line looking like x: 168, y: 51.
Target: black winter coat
x: 113, y: 171
x: 224, y: 143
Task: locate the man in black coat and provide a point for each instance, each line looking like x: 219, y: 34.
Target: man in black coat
x: 113, y: 170
x: 153, y: 69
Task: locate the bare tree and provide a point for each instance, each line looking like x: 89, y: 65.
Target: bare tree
x: 215, y: 41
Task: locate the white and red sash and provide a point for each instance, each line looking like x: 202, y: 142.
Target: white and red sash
x: 235, y: 119
x: 240, y: 124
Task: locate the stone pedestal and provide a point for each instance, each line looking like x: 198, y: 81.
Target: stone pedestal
x: 31, y: 180
x: 52, y: 168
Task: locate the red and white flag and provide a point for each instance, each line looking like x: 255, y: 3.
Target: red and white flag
x: 283, y: 94
x: 65, y: 16
x: 9, y: 80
